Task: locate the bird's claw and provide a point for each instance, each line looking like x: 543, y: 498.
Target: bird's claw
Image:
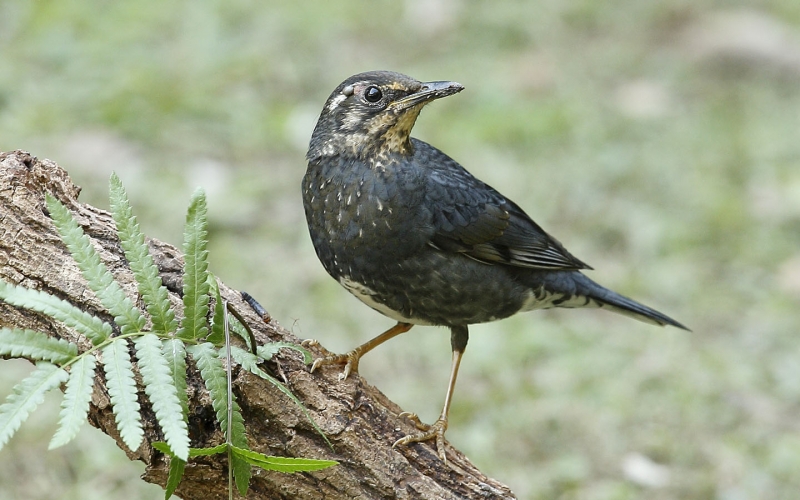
x: 433, y: 431
x: 349, y: 360
x: 419, y: 424
x: 309, y: 343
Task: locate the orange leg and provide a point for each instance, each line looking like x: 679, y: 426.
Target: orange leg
x: 350, y: 359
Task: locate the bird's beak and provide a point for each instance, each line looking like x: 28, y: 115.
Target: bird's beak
x: 427, y: 93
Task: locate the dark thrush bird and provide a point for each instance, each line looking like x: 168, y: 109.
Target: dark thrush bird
x: 413, y: 235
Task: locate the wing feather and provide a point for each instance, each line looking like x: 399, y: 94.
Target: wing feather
x: 472, y: 218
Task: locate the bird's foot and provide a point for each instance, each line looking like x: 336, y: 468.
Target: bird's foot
x: 349, y: 360
x: 434, y: 431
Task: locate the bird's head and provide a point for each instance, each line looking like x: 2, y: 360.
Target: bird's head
x: 372, y: 113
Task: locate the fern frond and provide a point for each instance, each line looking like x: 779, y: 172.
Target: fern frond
x: 158, y: 386
x: 176, y: 465
x: 267, y: 351
x: 97, y: 275
x: 36, y: 346
x: 195, y: 271
x: 154, y: 293
x: 75, y: 405
x: 162, y: 447
x: 249, y: 362
x: 193, y: 452
x: 242, y: 472
x: 240, y: 469
x: 204, y: 452
x: 84, y: 323
x: 216, y: 381
x: 26, y: 396
x: 175, y: 355
x: 239, y: 329
x: 176, y: 468
x: 282, y: 464
x: 122, y: 389
x: 217, y: 336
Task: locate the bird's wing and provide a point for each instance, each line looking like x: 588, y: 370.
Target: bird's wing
x: 472, y: 218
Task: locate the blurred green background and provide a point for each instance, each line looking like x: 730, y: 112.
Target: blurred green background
x: 659, y: 141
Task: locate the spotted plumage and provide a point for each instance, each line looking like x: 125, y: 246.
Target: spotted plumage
x: 412, y: 234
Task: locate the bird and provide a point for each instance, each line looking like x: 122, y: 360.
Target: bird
x: 412, y: 234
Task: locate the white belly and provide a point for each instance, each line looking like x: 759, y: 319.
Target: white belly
x: 367, y: 296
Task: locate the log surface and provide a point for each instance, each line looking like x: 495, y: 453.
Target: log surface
x: 358, y: 419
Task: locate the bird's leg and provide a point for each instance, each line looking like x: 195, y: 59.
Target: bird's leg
x: 350, y: 359
x: 459, y: 336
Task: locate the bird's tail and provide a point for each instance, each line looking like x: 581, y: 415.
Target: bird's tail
x: 575, y: 289
x: 619, y: 303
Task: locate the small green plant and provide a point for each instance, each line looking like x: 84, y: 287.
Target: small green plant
x: 160, y: 351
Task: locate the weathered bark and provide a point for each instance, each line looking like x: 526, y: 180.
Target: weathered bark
x: 360, y: 421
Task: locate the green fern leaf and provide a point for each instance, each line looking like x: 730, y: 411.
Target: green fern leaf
x: 84, y: 323
x: 176, y: 468
x: 154, y: 293
x: 249, y: 362
x: 175, y: 355
x: 97, y: 275
x: 217, y: 336
x: 75, y: 405
x: 26, y: 396
x: 162, y: 447
x: 19, y: 343
x: 195, y: 271
x: 193, y: 452
x: 122, y: 389
x: 237, y: 328
x: 204, y: 452
x: 241, y: 472
x: 216, y: 381
x: 158, y: 386
x: 282, y: 464
x: 267, y: 351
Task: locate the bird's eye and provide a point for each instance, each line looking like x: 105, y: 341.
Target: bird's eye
x: 373, y: 94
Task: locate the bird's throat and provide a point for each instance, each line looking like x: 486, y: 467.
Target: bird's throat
x: 393, y: 133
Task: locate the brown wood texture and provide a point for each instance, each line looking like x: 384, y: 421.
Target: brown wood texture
x: 359, y: 420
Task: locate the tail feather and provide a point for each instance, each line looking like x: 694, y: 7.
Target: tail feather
x: 575, y: 289
x: 619, y: 303
x: 623, y: 305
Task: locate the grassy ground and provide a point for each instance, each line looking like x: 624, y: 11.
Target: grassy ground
x: 659, y: 141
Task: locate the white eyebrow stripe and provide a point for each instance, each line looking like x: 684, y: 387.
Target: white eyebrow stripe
x: 336, y: 101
